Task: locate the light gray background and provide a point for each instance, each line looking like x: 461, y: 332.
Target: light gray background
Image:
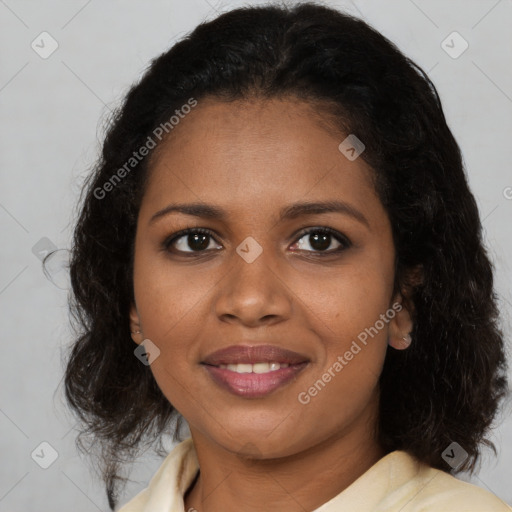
x: 52, y: 113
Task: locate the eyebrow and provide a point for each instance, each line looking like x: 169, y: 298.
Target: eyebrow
x: 209, y: 211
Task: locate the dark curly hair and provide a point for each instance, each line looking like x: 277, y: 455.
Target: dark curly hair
x: 448, y: 385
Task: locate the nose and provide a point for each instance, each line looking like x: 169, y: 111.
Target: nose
x: 254, y: 293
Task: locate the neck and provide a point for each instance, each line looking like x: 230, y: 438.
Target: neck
x: 299, y: 482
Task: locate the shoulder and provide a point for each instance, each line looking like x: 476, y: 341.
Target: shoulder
x: 165, y: 489
x: 433, y: 490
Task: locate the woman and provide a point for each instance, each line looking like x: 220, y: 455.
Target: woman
x: 281, y: 223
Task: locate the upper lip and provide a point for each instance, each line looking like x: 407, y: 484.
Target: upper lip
x: 245, y: 354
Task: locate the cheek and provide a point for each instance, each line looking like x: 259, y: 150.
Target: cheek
x: 347, y: 301
x: 168, y: 308
x: 354, y: 335
x: 171, y: 321
x: 351, y: 314
x: 169, y: 300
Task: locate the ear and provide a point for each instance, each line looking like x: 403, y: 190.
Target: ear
x: 401, y: 325
x: 135, y: 326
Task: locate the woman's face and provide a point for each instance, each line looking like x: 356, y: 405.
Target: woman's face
x: 256, y: 279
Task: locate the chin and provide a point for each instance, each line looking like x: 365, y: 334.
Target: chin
x: 255, y: 445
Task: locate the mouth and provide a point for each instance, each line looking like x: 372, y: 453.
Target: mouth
x: 253, y: 371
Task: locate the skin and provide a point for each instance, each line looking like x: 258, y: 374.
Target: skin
x: 252, y: 158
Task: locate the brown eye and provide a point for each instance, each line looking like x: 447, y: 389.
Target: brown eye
x: 321, y: 239
x: 198, y: 240
x: 190, y: 240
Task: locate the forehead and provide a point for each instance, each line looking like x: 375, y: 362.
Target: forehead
x: 256, y: 154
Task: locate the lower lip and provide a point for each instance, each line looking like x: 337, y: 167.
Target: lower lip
x: 253, y: 385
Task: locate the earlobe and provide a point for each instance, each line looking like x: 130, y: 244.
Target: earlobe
x: 400, y: 344
x: 135, y: 327
x: 401, y: 324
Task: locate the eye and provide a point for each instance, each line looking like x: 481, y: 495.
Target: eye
x: 200, y: 239
x: 196, y: 239
x: 320, y: 239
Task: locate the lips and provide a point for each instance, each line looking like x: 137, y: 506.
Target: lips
x: 243, y: 354
x: 253, y: 384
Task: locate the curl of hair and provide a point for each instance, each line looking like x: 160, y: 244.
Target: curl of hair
x: 447, y: 386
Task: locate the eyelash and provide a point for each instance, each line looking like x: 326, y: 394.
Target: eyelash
x: 345, y: 242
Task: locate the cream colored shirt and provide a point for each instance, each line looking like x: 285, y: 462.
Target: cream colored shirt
x: 397, y: 482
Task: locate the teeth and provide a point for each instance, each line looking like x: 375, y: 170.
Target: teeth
x: 254, y: 368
